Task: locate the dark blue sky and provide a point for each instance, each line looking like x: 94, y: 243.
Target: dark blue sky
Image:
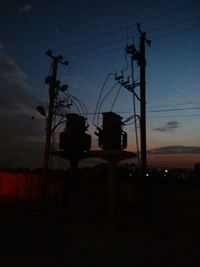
x: 83, y: 32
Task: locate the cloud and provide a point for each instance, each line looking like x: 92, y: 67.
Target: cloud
x: 26, y: 8
x: 175, y: 150
x: 17, y: 105
x: 168, y: 127
x: 14, y: 90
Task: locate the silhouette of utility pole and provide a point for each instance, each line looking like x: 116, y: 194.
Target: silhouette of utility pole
x: 139, y: 56
x: 142, y: 64
x: 53, y: 92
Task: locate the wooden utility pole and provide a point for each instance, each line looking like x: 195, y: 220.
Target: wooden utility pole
x: 53, y: 87
x: 139, y: 56
x: 142, y: 64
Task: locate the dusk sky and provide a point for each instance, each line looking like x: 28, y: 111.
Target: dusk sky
x: 92, y: 36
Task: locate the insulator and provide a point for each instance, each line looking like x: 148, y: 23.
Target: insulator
x: 119, y: 78
x: 130, y: 87
x: 125, y: 83
x: 64, y: 88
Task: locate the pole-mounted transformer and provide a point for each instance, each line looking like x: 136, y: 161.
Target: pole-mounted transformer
x: 111, y: 136
x: 74, y: 139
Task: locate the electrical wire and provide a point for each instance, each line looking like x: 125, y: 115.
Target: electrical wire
x: 164, y: 14
x: 77, y: 107
x: 168, y: 110
x: 96, y: 47
x: 104, y: 98
x: 119, y: 49
x: 120, y: 40
x: 99, y: 36
x: 171, y: 24
x: 130, y: 111
x: 82, y: 110
x: 100, y: 95
x: 125, y: 54
x: 77, y: 102
x: 96, y: 55
x: 173, y: 109
x: 177, y: 104
x: 161, y: 116
x: 82, y: 104
x: 174, y: 116
x: 116, y: 96
x: 177, y: 32
x: 128, y: 119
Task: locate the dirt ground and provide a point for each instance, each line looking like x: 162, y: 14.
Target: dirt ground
x: 48, y: 239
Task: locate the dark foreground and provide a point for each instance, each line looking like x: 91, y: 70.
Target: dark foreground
x: 47, y: 238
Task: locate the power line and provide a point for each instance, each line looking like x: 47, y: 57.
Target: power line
x: 100, y: 95
x: 173, y: 109
x: 96, y: 55
x: 177, y: 104
x: 120, y: 49
x: 115, y: 98
x: 151, y: 111
x: 99, y: 36
x: 104, y: 98
x: 164, y: 14
x: 125, y: 39
x: 177, y: 32
x: 149, y: 117
x: 97, y: 47
x: 172, y: 24
x: 174, y: 116
x: 163, y: 110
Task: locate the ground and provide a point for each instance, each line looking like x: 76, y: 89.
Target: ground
x: 46, y: 238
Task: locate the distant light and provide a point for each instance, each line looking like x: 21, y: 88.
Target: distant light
x: 166, y: 170
x: 147, y: 174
